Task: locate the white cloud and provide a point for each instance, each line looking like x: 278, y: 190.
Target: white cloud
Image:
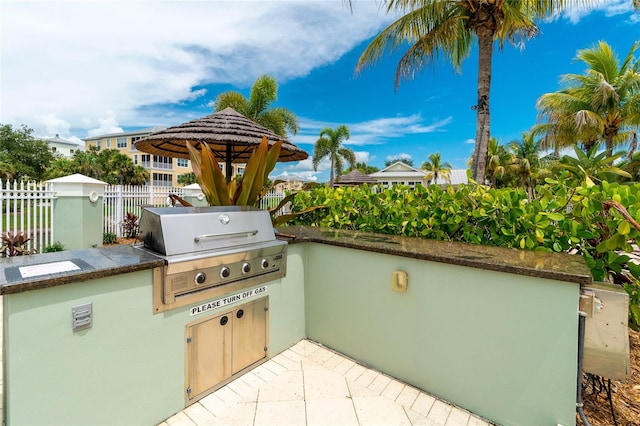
x: 371, y: 132
x: 108, y: 124
x: 608, y: 7
x: 78, y: 59
x: 398, y: 157
x: 364, y: 157
x: 470, y: 141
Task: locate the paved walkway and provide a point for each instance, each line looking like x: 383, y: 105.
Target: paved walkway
x: 310, y: 385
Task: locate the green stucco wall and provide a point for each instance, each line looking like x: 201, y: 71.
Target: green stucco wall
x: 78, y: 222
x: 129, y: 367
x: 500, y: 345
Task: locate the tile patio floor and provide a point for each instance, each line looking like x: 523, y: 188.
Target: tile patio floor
x: 310, y: 385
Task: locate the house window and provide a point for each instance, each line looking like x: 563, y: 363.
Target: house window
x: 182, y: 162
x: 71, y: 151
x: 146, y: 161
x: 108, y: 143
x: 54, y: 149
x: 99, y: 145
x: 240, y: 171
x: 133, y: 142
x: 135, y: 159
x: 162, y: 179
x: 121, y: 143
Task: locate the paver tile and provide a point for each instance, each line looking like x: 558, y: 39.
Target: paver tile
x: 321, y: 355
x: 227, y: 395
x: 274, y: 367
x: 237, y: 414
x: 379, y: 411
x: 344, y: 366
x: 423, y: 403
x: 407, y: 396
x: 278, y: 413
x: 200, y: 415
x: 286, y: 362
x: 305, y: 347
x: 379, y: 383
x: 457, y: 417
x: 213, y: 403
x: 180, y: 419
x: 366, y: 378
x: 285, y: 387
x: 393, y: 389
x: 329, y: 412
x: 324, y: 385
x: 354, y: 372
x: 247, y: 393
x: 439, y: 412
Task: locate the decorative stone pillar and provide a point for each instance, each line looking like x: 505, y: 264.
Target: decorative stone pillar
x: 193, y: 195
x: 78, y: 211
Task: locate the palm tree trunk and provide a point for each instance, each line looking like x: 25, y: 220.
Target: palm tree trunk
x: 485, y: 53
x: 331, y: 175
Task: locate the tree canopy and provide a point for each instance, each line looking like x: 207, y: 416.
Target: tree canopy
x: 22, y: 156
x: 329, y: 144
x: 258, y: 107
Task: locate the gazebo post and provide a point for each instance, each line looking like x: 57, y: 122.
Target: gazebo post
x: 228, y: 165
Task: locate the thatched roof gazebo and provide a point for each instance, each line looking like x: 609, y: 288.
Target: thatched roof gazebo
x: 354, y: 178
x: 231, y: 136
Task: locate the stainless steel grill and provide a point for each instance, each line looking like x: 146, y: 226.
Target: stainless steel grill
x: 209, y: 251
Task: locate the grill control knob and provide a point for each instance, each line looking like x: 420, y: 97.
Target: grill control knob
x: 246, y: 268
x: 225, y: 272
x: 201, y: 277
x: 264, y: 263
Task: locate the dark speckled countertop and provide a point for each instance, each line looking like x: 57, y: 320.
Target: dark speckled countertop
x: 554, y: 266
x: 92, y: 263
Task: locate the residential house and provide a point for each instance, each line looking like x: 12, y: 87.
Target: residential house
x: 63, y: 147
x: 400, y: 173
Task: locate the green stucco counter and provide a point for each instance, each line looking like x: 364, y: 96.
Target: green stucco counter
x: 492, y: 330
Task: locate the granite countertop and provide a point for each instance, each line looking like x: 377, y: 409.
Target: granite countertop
x: 554, y: 266
x: 24, y: 273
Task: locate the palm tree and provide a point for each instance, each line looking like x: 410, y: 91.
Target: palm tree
x: 602, y: 104
x: 329, y: 145
x: 526, y: 160
x: 434, y: 28
x: 435, y: 168
x: 499, y: 161
x: 263, y: 92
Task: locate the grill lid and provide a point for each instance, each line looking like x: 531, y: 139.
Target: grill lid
x: 190, y: 230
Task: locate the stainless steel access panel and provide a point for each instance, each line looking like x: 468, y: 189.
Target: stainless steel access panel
x: 606, y: 344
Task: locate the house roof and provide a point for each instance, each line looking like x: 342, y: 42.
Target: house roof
x: 399, y: 170
x: 355, y: 177
x: 58, y: 140
x: 140, y: 132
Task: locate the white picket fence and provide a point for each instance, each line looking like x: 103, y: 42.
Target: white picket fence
x: 27, y: 207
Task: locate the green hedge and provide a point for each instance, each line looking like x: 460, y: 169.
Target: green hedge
x: 559, y: 218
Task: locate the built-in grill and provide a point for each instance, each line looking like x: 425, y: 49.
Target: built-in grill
x: 210, y: 251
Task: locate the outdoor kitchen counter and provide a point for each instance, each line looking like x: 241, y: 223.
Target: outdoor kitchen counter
x: 53, y: 269
x: 555, y: 266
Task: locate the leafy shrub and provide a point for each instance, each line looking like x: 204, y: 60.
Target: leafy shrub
x: 56, y: 246
x: 109, y: 238
x: 596, y: 221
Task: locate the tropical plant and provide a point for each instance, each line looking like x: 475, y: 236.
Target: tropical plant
x: 109, y: 238
x: 258, y: 107
x: 593, y: 166
x: 130, y: 225
x: 244, y: 192
x: 601, y: 104
x: 435, y: 169
x: 363, y: 167
x: 56, y: 246
x: 499, y: 161
x: 187, y: 179
x: 434, y: 28
x: 526, y: 164
x: 329, y: 144
x: 14, y: 245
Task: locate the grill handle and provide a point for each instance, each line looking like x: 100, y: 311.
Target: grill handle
x: 199, y: 238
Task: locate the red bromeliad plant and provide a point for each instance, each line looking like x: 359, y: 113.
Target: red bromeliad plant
x: 13, y: 245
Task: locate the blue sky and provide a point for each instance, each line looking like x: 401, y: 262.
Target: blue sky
x: 84, y: 68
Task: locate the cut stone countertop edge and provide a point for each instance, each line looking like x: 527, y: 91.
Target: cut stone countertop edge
x: 555, y: 266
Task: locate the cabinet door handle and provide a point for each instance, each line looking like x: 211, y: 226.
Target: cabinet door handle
x: 240, y: 313
x: 224, y: 320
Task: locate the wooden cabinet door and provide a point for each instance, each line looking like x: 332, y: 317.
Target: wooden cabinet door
x: 209, y: 349
x: 249, y: 334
